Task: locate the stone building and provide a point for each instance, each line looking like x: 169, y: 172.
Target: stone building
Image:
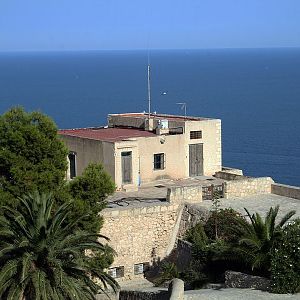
x: 136, y: 148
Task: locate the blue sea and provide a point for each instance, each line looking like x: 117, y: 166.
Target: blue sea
x: 256, y: 93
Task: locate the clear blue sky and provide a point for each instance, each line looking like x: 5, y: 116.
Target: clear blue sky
x: 139, y: 24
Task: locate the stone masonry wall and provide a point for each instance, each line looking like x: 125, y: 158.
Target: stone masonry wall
x: 181, y: 194
x: 247, y: 186
x: 286, y: 190
x: 140, y: 234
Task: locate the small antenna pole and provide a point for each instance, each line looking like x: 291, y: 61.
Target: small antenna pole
x: 149, y: 88
x: 183, y: 106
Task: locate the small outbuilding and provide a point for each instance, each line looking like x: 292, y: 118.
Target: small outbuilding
x: 136, y: 148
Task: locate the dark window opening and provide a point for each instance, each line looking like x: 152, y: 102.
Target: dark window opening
x: 72, y: 161
x: 195, y: 135
x: 159, y: 161
x: 141, y: 268
x: 117, y: 272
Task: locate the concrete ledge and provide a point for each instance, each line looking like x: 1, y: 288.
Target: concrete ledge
x: 142, y: 209
x: 232, y: 170
x: 286, y: 190
x: 144, y: 295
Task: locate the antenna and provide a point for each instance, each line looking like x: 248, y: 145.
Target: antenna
x: 183, y: 106
x: 149, y: 88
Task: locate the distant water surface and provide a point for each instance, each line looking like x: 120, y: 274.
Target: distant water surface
x: 256, y: 93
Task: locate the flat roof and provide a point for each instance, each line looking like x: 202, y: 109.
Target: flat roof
x: 106, y: 134
x: 160, y: 116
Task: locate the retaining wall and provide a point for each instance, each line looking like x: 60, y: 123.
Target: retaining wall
x: 184, y: 254
x: 286, y: 190
x: 141, y: 234
x: 192, y: 214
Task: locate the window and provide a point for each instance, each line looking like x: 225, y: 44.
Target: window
x: 159, y: 161
x: 195, y: 135
x: 72, y: 162
x: 117, y: 272
x: 141, y: 268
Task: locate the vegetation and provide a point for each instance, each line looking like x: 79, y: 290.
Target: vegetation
x: 227, y: 221
x: 210, y: 257
x: 259, y: 236
x: 285, y: 261
x: 44, y: 257
x: 89, y: 192
x: 32, y: 157
x: 168, y: 272
x: 265, y: 247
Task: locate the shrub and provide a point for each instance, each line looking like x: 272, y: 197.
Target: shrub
x: 258, y: 238
x: 285, y: 262
x: 223, y: 224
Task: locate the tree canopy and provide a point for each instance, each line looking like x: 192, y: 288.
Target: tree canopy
x: 45, y: 257
x: 32, y: 157
x: 89, y: 192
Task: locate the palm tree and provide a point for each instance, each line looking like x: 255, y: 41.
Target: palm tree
x: 43, y: 257
x: 257, y: 238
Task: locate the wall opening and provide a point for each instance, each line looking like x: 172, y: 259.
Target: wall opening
x: 194, y: 135
x: 72, y: 164
x: 116, y: 272
x: 126, y: 167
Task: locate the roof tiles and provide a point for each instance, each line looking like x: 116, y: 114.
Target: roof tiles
x: 106, y: 134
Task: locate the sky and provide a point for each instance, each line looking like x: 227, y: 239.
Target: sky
x: 154, y: 24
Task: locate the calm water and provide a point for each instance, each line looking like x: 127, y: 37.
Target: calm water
x: 256, y: 93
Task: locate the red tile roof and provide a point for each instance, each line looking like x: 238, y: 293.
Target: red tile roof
x: 106, y: 134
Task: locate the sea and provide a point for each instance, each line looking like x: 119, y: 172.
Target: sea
x: 256, y: 93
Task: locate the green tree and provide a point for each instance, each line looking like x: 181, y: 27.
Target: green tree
x: 228, y: 221
x: 259, y: 236
x: 44, y: 257
x: 32, y: 157
x: 89, y: 192
x: 285, y: 265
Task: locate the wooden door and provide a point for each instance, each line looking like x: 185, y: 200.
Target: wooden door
x: 126, y: 167
x: 195, y: 160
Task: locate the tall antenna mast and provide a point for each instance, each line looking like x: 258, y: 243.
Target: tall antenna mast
x: 149, y: 88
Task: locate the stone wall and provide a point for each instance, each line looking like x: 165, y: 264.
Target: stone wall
x: 246, y: 281
x: 229, y: 176
x: 192, y: 214
x: 144, y: 295
x: 247, y: 186
x: 184, y: 254
x: 286, y: 190
x: 143, y: 234
x: 181, y: 194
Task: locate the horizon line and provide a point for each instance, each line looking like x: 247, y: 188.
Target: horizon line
x: 146, y: 49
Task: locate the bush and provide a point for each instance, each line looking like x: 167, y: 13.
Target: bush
x: 223, y: 224
x: 212, y: 256
x: 285, y: 262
